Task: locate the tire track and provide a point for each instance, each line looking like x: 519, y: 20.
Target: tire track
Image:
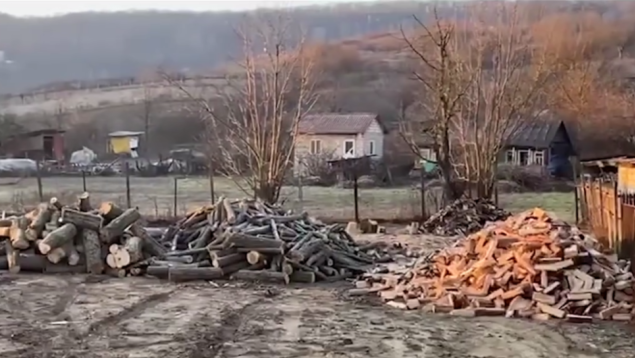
x: 101, y: 326
x: 209, y: 342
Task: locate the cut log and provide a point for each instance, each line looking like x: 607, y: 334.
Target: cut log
x: 81, y: 219
x: 255, y: 257
x: 63, y: 268
x: 55, y: 219
x: 72, y: 256
x: 92, y: 252
x: 18, y: 234
x: 111, y: 261
x: 130, y: 253
x: 302, y: 277
x: 158, y: 271
x: 83, y: 202
x: 249, y: 241
x: 13, y: 263
x: 56, y: 255
x: 261, y: 276
x: 55, y: 203
x: 273, y: 251
x: 150, y: 245
x: 57, y: 238
x: 5, y: 222
x: 230, y: 269
x: 5, y: 232
x: 224, y: 261
x: 306, y: 250
x: 117, y: 226
x: 110, y: 211
x: 43, y: 216
x: 184, y: 274
x: 27, y: 262
x: 120, y: 273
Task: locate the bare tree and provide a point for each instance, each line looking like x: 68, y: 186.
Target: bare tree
x: 442, y: 86
x: 481, y: 78
x: 148, y: 81
x: 253, y: 121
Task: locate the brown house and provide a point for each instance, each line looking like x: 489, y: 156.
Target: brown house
x: 339, y: 135
x: 44, y: 144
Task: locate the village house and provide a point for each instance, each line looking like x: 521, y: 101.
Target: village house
x: 543, y: 142
x: 43, y: 144
x: 339, y: 135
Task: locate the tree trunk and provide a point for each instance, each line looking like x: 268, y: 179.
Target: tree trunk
x: 117, y: 226
x: 92, y: 252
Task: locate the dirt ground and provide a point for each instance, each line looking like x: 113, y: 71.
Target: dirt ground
x: 81, y: 316
x: 90, y: 316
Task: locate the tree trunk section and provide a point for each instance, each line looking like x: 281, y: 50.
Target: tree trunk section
x: 150, y: 245
x: 83, y: 202
x: 57, y: 238
x: 130, y: 253
x: 12, y: 258
x: 184, y: 274
x: 81, y: 219
x: 92, y: 252
x: 261, y: 276
x: 42, y: 217
x: 18, y: 233
x: 110, y: 211
x: 158, y: 271
x: 117, y: 226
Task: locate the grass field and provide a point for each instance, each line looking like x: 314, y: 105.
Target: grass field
x: 155, y: 196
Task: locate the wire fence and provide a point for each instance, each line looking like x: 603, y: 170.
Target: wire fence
x: 169, y: 196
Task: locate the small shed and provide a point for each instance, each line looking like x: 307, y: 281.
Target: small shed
x: 124, y: 142
x: 43, y: 144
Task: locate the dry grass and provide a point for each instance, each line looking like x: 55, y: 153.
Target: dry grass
x: 155, y: 197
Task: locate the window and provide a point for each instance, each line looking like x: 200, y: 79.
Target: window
x: 371, y: 148
x: 316, y: 146
x: 428, y: 154
x: 539, y: 158
x: 509, y: 157
x: 349, y: 148
x: 523, y: 157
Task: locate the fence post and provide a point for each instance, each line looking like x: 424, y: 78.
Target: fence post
x: 211, y: 183
x: 128, y: 200
x: 300, y: 194
x: 176, y: 189
x: 84, y: 180
x: 423, y: 193
x: 38, y: 177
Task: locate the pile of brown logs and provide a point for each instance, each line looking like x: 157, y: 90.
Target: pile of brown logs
x: 243, y: 239
x: 250, y: 240
x: 76, y: 239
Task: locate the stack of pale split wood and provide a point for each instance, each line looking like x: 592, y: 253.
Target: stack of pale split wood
x: 529, y: 265
x: 56, y: 238
x: 251, y: 240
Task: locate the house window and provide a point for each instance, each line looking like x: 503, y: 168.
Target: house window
x: 316, y: 146
x: 428, y: 154
x: 539, y: 158
x: 509, y: 157
x: 349, y: 148
x: 371, y: 148
x: 523, y: 157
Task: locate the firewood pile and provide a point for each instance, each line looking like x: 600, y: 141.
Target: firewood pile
x: 250, y: 240
x: 530, y: 265
x: 464, y: 216
x: 244, y: 239
x: 55, y: 238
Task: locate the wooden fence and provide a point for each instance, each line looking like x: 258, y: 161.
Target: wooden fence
x: 610, y: 215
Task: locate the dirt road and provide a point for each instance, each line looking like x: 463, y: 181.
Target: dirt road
x: 80, y: 316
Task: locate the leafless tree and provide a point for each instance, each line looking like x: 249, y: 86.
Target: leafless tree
x: 253, y: 121
x: 148, y: 81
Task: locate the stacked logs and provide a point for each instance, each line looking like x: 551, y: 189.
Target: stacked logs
x: 76, y: 239
x: 243, y: 239
x: 250, y: 240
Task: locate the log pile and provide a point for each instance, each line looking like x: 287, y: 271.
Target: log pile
x: 243, y: 239
x: 462, y: 217
x: 55, y: 238
x: 250, y: 240
x: 529, y: 265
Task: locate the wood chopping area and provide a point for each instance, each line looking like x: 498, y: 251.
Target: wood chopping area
x: 242, y: 278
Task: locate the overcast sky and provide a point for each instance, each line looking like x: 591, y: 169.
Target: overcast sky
x: 50, y: 8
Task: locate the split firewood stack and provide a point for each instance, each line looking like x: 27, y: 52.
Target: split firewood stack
x: 530, y: 265
x: 250, y: 240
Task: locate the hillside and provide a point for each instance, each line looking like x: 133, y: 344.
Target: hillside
x: 90, y: 46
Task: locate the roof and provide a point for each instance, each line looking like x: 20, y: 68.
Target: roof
x: 538, y: 133
x: 125, y: 134
x: 338, y: 123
